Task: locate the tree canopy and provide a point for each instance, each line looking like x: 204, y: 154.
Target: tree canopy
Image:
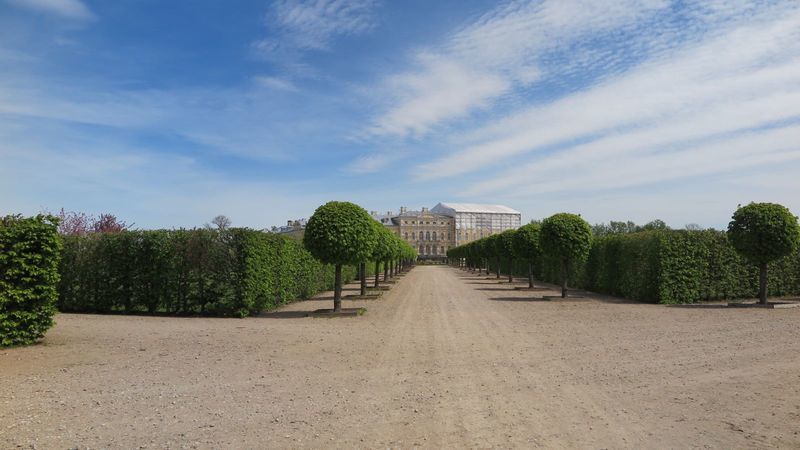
x: 340, y: 233
x: 764, y: 232
x: 526, y: 242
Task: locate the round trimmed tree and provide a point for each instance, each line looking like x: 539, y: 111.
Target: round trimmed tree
x: 565, y: 238
x: 526, y: 247
x: 762, y: 233
x: 506, y: 250
x: 492, y: 250
x: 381, y: 249
x: 340, y: 233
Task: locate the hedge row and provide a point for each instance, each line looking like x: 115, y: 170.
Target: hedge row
x: 235, y: 272
x: 676, y: 266
x: 29, y: 251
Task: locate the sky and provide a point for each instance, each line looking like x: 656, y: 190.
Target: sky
x: 167, y: 114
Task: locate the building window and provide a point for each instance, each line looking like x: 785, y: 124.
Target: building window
x: 434, y: 235
x: 413, y: 235
x: 405, y: 236
x: 427, y: 249
x: 427, y: 235
x: 421, y: 249
x: 443, y: 249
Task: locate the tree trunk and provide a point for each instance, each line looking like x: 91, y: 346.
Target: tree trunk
x: 564, y: 277
x: 530, y: 275
x: 385, y: 271
x: 363, y: 269
x: 498, y: 268
x: 337, y: 289
x: 762, y: 284
x: 377, y: 272
x: 511, y: 270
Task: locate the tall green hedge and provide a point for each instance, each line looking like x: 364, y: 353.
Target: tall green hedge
x: 29, y: 252
x: 235, y: 272
x: 676, y: 266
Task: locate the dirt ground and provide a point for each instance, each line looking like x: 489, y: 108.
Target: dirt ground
x: 445, y: 359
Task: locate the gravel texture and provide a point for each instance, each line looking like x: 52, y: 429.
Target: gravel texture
x: 444, y: 359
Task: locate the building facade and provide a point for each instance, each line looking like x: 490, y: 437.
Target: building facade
x: 473, y: 221
x: 433, y: 232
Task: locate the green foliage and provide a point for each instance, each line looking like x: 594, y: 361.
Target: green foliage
x: 526, y: 243
x: 232, y: 272
x: 505, y: 244
x: 382, y: 248
x: 566, y: 237
x: 29, y: 254
x: 764, y: 232
x: 340, y: 233
x: 677, y: 266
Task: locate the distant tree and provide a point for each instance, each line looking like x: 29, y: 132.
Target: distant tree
x: 692, y: 227
x: 492, y: 249
x: 656, y: 224
x: 71, y: 223
x: 108, y: 223
x: 566, y: 238
x: 762, y: 233
x: 526, y: 247
x: 340, y: 233
x: 381, y: 250
x: 219, y: 223
x: 614, y: 227
x: 505, y: 248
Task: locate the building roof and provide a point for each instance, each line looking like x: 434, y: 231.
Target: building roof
x: 473, y: 208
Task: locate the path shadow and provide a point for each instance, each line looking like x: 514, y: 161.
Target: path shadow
x: 518, y: 299
x: 283, y: 315
x: 700, y: 306
x: 506, y: 288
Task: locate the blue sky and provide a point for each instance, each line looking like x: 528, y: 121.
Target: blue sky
x: 169, y: 113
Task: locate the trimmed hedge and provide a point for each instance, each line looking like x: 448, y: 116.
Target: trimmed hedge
x: 676, y: 266
x: 29, y: 252
x: 235, y: 272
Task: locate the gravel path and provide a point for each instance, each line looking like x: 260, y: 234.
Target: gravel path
x: 445, y: 359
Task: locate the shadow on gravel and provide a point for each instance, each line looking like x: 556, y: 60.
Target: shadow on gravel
x: 282, y: 315
x: 700, y: 306
x: 518, y: 299
x: 503, y: 288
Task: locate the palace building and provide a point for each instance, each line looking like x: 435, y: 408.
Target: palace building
x: 433, y: 232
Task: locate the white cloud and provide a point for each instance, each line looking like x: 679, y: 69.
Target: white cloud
x: 737, y: 78
x: 313, y: 25
x: 281, y: 84
x: 446, y: 90
x: 372, y: 162
x: 70, y: 9
x: 500, y: 51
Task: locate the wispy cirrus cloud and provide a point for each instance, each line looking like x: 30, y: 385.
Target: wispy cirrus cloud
x: 296, y: 26
x: 69, y: 9
x: 745, y: 76
x: 373, y: 162
x: 502, y: 51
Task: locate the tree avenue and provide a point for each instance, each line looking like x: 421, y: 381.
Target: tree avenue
x: 526, y: 247
x: 505, y: 242
x: 762, y: 233
x: 340, y: 233
x: 567, y: 239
